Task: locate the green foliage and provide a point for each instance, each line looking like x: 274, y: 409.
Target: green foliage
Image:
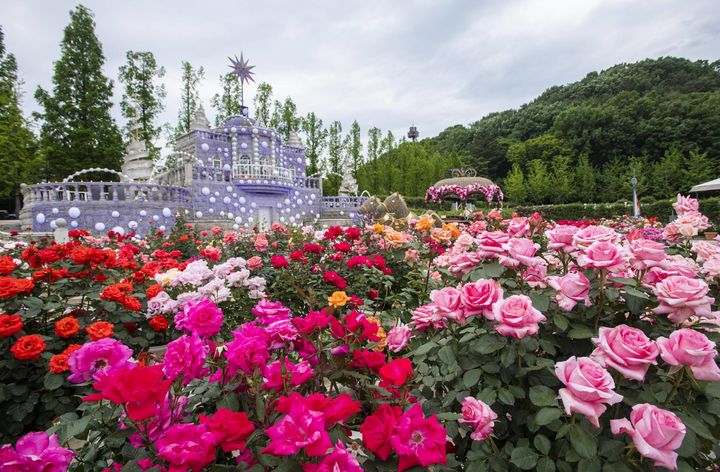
x: 354, y: 146
x: 143, y: 98
x: 189, y: 97
x: 263, y: 98
x: 315, y: 141
x: 77, y: 130
x: 286, y: 116
x: 227, y: 104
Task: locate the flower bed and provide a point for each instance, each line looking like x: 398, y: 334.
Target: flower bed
x: 506, y: 344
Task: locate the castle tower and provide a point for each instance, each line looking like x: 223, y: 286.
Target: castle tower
x: 137, y: 163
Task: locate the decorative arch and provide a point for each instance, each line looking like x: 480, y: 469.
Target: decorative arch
x: 123, y: 177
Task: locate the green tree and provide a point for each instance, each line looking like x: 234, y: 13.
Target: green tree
x: 227, y: 103
x: 562, y: 179
x: 262, y: 101
x: 77, y: 130
x: 336, y: 151
x: 667, y: 175
x: 514, y: 188
x: 612, y: 181
x: 545, y: 148
x: 143, y: 96
x: 699, y: 168
x: 355, y: 146
x: 539, y: 182
x: 315, y: 141
x: 584, y: 180
x: 388, y: 142
x: 289, y: 121
x: 189, y: 97
x: 17, y: 143
x: 276, y: 117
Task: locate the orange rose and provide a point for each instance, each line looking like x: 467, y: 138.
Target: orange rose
x: 7, y: 265
x: 153, y: 290
x: 100, y: 330
x: 9, y: 325
x: 24, y: 285
x: 66, y: 327
x: 378, y: 228
x: 453, y: 229
x: 394, y: 238
x: 28, y: 347
x: 424, y: 223
x: 59, y: 362
x: 338, y: 299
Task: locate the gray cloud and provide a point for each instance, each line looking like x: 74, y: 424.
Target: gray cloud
x: 386, y: 64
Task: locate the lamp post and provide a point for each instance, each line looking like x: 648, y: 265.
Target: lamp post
x: 636, y: 207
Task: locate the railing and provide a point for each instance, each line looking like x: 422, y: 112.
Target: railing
x: 103, y: 191
x: 259, y: 171
x: 342, y: 202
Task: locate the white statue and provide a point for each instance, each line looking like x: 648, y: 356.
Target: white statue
x: 137, y: 162
x: 349, y: 185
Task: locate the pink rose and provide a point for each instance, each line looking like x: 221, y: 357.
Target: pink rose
x: 202, y: 317
x: 518, y: 227
x: 535, y: 275
x: 681, y: 297
x: 479, y: 417
x: 657, y: 433
x: 589, y: 388
x: 625, y: 349
x: 602, y: 255
x: 448, y: 304
x: 490, y: 244
x: 645, y: 253
x: 411, y: 255
x: 519, y: 251
x: 516, y: 317
x: 479, y: 297
x: 427, y: 315
x: 691, y: 223
x: 261, y: 242
x: 255, y: 262
x: 398, y: 337
x: 693, y: 349
x: 705, y: 250
x: 594, y: 234
x: 685, y: 205
x: 560, y: 238
x: 463, y: 243
x: 572, y: 288
x: 268, y: 312
x: 463, y: 262
x: 711, y: 267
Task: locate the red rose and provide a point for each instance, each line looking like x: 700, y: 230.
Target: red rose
x: 100, y: 330
x: 9, y: 325
x: 66, y: 327
x: 378, y: 428
x: 334, y: 278
x: 369, y: 359
x: 373, y: 294
x: 28, y: 347
x: 279, y: 261
x: 397, y: 372
x: 231, y: 430
x: 7, y: 265
x: 132, y: 303
x: 153, y: 290
x: 352, y: 233
x: 159, y: 323
x: 342, y: 246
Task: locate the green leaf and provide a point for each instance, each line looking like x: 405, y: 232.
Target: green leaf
x: 624, y: 281
x: 472, y: 377
x: 541, y: 395
x: 425, y: 348
x: 524, y: 458
x: 506, y: 397
x: 449, y: 415
x: 545, y: 464
x: 490, y: 270
x: 697, y: 426
x: 547, y: 415
x: 53, y: 381
x: 540, y: 301
x: 489, y: 343
x: 584, y: 443
x: 581, y: 332
x: 562, y: 323
x: 542, y: 443
x: 447, y: 355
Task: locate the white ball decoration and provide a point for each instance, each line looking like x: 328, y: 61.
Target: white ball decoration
x: 250, y: 219
x: 222, y: 213
x: 226, y: 200
x: 230, y: 215
x: 53, y: 225
x: 156, y: 218
x: 132, y: 224
x: 205, y: 191
x: 205, y: 147
x: 74, y: 224
x: 228, y: 188
x: 162, y: 227
x: 99, y: 226
x: 243, y: 146
x: 352, y: 215
x: 312, y: 196
x: 242, y: 200
x: 119, y: 230
x: 143, y: 213
x: 233, y: 130
x: 279, y: 205
x: 167, y: 213
x: 243, y: 209
x: 253, y: 205
x: 238, y: 219
x: 40, y: 218
x: 198, y: 214
x: 287, y: 201
x: 236, y: 204
x: 236, y: 227
x: 115, y: 214
x: 211, y: 210
x: 55, y: 211
x: 74, y: 212
x: 292, y: 219
x: 212, y: 199
x: 217, y: 194
x: 234, y: 195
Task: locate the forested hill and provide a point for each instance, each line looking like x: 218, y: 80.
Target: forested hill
x: 579, y: 142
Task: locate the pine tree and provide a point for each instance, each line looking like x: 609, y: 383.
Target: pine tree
x: 335, y: 147
x: 539, y: 183
x: 143, y: 97
x: 699, y: 168
x: 16, y: 141
x: 355, y: 146
x: 374, y: 138
x: 78, y: 131
x: 315, y: 141
x: 388, y: 142
x: 189, y: 97
x: 584, y: 180
x: 263, y: 98
x: 514, y: 188
x: 612, y: 181
x: 226, y: 104
x: 562, y: 177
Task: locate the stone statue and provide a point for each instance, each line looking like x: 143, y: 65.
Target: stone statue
x: 349, y: 186
x: 137, y: 163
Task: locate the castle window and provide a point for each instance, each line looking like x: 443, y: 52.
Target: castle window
x: 217, y: 161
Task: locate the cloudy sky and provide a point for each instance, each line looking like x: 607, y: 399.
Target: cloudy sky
x: 385, y: 63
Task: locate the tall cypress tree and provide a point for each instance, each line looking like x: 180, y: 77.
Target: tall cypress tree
x: 289, y: 121
x: 189, y: 97
x: 315, y: 141
x: 143, y: 96
x: 16, y: 141
x: 355, y: 146
x: 263, y: 98
x: 78, y: 131
x: 227, y: 104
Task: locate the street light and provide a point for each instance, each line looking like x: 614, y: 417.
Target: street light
x: 636, y: 207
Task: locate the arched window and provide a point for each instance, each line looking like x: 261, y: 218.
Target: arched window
x: 241, y: 166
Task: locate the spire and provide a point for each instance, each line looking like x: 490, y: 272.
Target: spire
x: 294, y: 140
x: 200, y: 121
x: 136, y: 162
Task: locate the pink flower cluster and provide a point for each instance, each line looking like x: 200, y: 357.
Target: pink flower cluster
x: 463, y: 192
x: 35, y: 452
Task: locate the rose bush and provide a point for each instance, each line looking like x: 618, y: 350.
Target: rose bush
x: 501, y: 345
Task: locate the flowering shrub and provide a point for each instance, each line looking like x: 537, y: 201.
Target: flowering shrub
x: 506, y: 344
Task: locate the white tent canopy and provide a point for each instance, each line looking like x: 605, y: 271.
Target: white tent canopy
x: 707, y: 186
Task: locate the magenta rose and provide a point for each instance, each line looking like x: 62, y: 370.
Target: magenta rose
x: 517, y: 317
x: 185, y: 357
x: 693, y: 349
x: 479, y: 417
x: 645, y: 253
x: 625, y: 349
x: 595, y: 234
x: 681, y: 297
x: 479, y: 297
x: 36, y: 451
x: 448, y: 304
x: 268, y: 312
x: 187, y: 446
x: 97, y: 358
x: 560, y: 238
x: 589, y: 387
x: 572, y: 288
x: 657, y: 433
x: 519, y: 251
x: 602, y: 255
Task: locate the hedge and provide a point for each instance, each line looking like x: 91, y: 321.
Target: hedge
x: 579, y: 211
